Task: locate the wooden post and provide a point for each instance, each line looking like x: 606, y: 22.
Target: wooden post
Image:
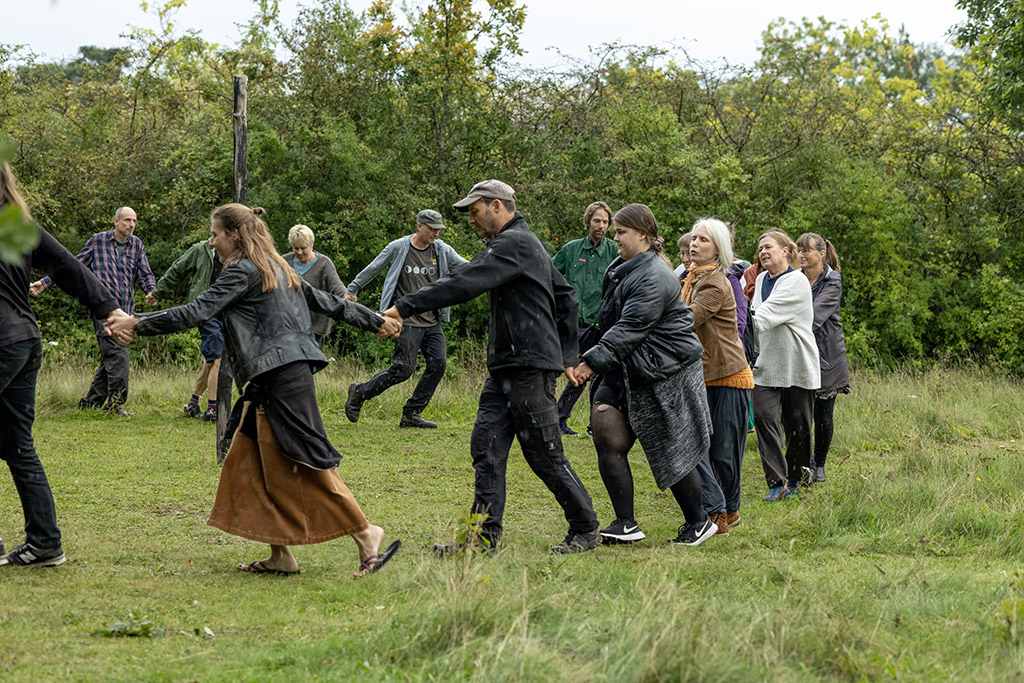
x: 225, y: 380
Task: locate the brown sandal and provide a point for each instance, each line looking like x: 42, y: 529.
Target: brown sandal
x: 375, y: 562
x: 260, y: 567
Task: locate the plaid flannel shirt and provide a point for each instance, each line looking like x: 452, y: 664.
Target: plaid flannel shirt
x: 119, y: 274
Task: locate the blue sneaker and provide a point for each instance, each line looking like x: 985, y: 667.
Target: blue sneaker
x: 774, y: 493
x: 792, y: 489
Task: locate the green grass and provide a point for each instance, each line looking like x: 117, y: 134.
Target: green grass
x: 906, y: 564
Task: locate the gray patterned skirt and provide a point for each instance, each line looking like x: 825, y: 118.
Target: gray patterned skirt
x: 672, y: 423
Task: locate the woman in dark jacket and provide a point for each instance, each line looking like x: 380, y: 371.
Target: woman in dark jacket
x: 278, y: 484
x: 820, y: 263
x: 651, y: 383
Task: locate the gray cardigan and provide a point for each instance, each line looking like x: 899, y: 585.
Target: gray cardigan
x: 394, y: 254
x: 322, y: 275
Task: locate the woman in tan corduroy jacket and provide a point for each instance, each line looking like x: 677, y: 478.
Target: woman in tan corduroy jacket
x: 726, y: 374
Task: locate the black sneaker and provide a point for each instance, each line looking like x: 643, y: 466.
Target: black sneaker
x: 87, y: 405
x: 480, y: 545
x: 26, y: 555
x: 210, y: 415
x: 414, y: 420
x: 578, y: 543
x: 695, y: 534
x: 622, y: 531
x: 1, y: 546
x: 353, y: 405
x: 191, y: 410
x: 566, y: 429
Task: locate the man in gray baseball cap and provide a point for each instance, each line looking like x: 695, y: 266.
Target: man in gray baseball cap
x: 413, y: 262
x: 532, y: 339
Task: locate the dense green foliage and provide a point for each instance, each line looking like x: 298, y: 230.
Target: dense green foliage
x: 906, y: 564
x: 357, y: 120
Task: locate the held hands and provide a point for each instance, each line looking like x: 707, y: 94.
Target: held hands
x: 120, y: 326
x: 580, y: 374
x: 351, y: 297
x: 392, y: 326
x: 151, y: 300
x: 36, y: 288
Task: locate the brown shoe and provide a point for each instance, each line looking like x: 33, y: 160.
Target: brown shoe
x: 733, y: 518
x: 722, y: 522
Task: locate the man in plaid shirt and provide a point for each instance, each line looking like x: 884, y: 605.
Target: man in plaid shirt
x: 118, y: 260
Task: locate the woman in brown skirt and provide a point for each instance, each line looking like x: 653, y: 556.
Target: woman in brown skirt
x: 279, y: 484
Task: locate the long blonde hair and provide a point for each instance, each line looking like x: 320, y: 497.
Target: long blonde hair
x: 254, y: 243
x: 9, y: 191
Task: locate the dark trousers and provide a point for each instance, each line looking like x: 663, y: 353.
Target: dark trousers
x: 823, y: 428
x: 589, y: 335
x: 429, y: 340
x: 795, y: 406
x: 730, y: 408
x: 521, y: 403
x: 19, y: 367
x: 110, y: 383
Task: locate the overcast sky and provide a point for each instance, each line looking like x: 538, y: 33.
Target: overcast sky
x: 708, y: 30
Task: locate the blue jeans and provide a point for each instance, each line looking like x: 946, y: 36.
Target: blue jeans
x: 431, y: 341
x: 19, y: 367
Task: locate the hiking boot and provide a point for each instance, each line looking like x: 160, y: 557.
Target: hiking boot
x: 191, y: 410
x: 119, y: 411
x: 792, y: 489
x: 353, y: 405
x: 26, y: 555
x: 622, y: 531
x: 819, y: 474
x: 566, y: 429
x: 696, y: 533
x: 774, y: 493
x: 733, y: 518
x: 578, y: 543
x: 721, y: 522
x: 210, y: 415
x: 414, y: 420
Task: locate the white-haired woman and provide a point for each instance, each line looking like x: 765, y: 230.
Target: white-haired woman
x: 727, y: 377
x: 786, y: 372
x: 316, y: 269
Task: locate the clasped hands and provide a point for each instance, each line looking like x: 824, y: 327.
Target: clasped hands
x: 120, y: 326
x: 579, y: 374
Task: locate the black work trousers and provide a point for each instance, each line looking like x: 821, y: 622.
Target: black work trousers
x: 520, y: 403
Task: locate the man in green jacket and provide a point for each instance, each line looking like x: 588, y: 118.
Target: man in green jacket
x: 199, y: 266
x: 582, y: 262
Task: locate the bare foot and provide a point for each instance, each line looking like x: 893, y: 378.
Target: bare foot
x: 368, y: 541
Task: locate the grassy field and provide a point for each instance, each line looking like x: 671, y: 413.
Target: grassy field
x: 906, y: 564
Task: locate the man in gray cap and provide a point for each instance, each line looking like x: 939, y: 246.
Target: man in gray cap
x: 413, y: 262
x: 532, y: 339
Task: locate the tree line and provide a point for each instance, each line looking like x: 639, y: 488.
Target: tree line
x: 898, y: 153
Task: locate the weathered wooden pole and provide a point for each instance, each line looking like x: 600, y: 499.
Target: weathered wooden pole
x: 225, y: 380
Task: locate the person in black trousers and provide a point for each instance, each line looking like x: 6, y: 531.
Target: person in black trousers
x: 532, y: 340
x: 21, y: 354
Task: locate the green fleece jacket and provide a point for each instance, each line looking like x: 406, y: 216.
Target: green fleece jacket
x: 194, y: 266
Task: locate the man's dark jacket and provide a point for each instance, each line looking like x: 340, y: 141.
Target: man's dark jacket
x: 262, y: 330
x: 17, y: 321
x: 652, y: 335
x: 533, y: 308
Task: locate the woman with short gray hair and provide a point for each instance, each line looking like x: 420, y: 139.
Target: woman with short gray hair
x: 316, y: 269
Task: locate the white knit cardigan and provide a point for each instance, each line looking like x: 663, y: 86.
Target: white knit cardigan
x: 788, y: 355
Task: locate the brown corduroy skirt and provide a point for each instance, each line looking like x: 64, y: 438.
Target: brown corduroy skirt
x: 266, y: 497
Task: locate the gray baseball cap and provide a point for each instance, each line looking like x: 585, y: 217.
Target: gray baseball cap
x: 431, y: 218
x: 488, y: 189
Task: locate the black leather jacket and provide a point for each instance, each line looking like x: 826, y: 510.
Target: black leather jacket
x: 651, y: 334
x: 533, y: 309
x: 262, y: 330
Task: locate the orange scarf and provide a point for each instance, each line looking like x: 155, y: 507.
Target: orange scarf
x: 693, y: 275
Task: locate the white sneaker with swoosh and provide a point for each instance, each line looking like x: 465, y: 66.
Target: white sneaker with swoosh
x: 622, y: 531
